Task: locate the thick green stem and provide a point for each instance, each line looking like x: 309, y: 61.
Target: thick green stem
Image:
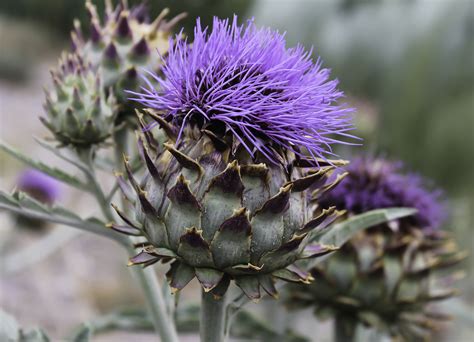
x: 212, y: 320
x: 344, y: 329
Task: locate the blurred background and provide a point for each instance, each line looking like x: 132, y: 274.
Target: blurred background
x: 406, y: 65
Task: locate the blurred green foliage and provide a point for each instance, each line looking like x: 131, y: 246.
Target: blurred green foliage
x: 412, y: 60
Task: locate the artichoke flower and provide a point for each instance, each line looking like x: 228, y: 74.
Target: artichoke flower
x: 225, y: 190
x: 39, y: 186
x: 387, y: 276
x: 42, y: 188
x: 123, y: 44
x: 78, y: 111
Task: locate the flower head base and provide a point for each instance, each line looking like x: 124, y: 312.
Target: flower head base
x: 78, y: 112
x: 221, y: 216
x: 243, y: 81
x: 378, y: 183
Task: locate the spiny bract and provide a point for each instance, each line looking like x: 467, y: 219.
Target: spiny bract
x: 123, y: 44
x: 78, y: 111
x: 220, y: 215
x: 388, y: 275
x: 226, y: 198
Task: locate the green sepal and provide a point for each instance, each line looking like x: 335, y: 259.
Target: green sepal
x: 293, y: 275
x: 283, y: 255
x: 185, y: 161
x: 268, y: 224
x: 314, y: 179
x: 194, y: 249
x: 155, y: 230
x: 221, y: 199
x: 256, y: 190
x: 219, y: 291
x: 315, y: 250
x: 179, y: 275
x: 231, y: 243
x: 208, y: 277
x: 183, y: 212
x: 250, y: 286
x: 268, y: 284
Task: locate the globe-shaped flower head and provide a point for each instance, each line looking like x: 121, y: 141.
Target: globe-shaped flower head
x: 244, y: 81
x: 378, y: 183
x: 247, y: 125
x: 389, y: 275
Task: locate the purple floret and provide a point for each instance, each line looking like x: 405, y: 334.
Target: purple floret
x: 378, y: 183
x: 39, y: 185
x: 242, y: 80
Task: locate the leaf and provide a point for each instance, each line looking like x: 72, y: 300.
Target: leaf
x: 51, y: 171
x: 9, y: 329
x: 341, y: 232
x: 35, y: 335
x: 22, y: 204
x: 84, y: 333
x: 57, y: 152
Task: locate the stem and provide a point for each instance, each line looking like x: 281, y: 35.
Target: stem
x: 212, y: 320
x: 85, y: 155
x: 344, y: 329
x: 90, y: 227
x: 156, y: 304
x: 162, y: 321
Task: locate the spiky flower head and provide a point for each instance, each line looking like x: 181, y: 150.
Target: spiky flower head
x: 121, y: 43
x: 226, y: 196
x: 389, y: 275
x: 79, y: 113
x: 243, y: 81
x: 376, y: 183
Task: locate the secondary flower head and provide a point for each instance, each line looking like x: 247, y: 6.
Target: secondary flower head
x: 243, y: 81
x: 378, y: 183
x: 39, y: 186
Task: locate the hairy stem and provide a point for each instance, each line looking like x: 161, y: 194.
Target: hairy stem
x: 344, y: 329
x: 212, y: 320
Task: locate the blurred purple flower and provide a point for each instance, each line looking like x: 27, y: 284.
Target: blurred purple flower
x: 244, y: 81
x: 39, y: 186
x: 378, y: 183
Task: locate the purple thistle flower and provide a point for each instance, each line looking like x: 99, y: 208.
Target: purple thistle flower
x: 242, y: 80
x: 39, y: 186
x: 378, y: 183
